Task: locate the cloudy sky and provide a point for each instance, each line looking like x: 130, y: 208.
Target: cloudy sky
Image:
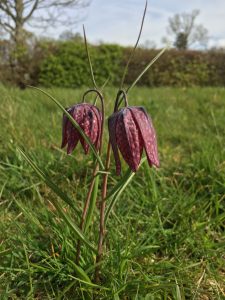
x: 118, y: 21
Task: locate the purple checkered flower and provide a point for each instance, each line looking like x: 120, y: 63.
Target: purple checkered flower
x: 131, y: 130
x: 89, y: 119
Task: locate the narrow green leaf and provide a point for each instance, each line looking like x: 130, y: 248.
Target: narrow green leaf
x: 30, y: 294
x: 89, y: 283
x: 57, y: 204
x: 117, y: 195
x: 28, y: 214
x: 81, y: 274
x: 89, y: 59
x: 92, y: 204
x: 119, y: 188
x: 75, y: 124
x: 146, y: 68
x: 135, y: 46
x: 48, y: 181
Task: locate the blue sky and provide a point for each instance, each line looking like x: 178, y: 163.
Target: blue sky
x: 118, y: 21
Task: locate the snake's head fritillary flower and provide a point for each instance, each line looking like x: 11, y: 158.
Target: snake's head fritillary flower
x: 131, y: 130
x: 89, y: 119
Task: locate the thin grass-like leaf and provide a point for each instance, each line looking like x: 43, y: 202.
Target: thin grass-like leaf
x: 89, y: 283
x: 146, y: 68
x: 75, y: 124
x: 92, y: 204
x: 117, y: 194
x: 30, y: 293
x: 28, y: 214
x: 48, y: 181
x: 89, y: 59
x: 80, y: 272
x: 135, y: 46
x: 119, y: 188
x: 57, y: 204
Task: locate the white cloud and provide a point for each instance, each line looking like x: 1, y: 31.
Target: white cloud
x: 118, y: 21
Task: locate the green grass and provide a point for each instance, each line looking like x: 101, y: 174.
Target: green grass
x: 165, y: 237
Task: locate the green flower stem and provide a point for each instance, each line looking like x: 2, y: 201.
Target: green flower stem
x: 88, y: 198
x: 102, y: 215
x: 85, y: 210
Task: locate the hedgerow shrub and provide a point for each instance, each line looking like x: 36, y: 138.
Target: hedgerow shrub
x: 64, y: 64
x: 174, y: 68
x: 68, y: 66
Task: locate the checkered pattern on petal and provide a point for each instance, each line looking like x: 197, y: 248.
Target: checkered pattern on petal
x: 131, y: 130
x: 98, y: 116
x: 148, y: 134
x: 89, y: 119
x: 128, y: 139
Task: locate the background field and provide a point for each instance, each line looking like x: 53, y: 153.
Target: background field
x: 165, y: 239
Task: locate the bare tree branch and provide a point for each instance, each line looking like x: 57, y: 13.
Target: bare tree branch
x: 15, y: 14
x: 5, y: 8
x: 35, y: 5
x: 7, y: 27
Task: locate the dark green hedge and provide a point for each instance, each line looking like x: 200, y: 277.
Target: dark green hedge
x: 67, y: 66
x: 64, y: 64
x: 180, y: 68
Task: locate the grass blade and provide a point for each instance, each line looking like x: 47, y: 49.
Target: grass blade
x: 29, y: 215
x: 119, y: 188
x: 48, y: 181
x: 92, y: 204
x: 89, y: 59
x: 57, y: 204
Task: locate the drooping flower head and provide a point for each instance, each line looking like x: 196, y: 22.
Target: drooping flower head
x: 89, y: 118
x: 131, y: 130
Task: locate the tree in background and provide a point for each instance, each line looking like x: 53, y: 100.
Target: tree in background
x: 185, y: 31
x: 16, y: 14
x: 68, y: 35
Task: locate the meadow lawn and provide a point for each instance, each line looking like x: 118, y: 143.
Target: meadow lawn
x: 165, y: 238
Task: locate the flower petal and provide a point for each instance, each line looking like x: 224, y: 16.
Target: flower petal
x: 90, y: 127
x: 73, y: 138
x: 128, y: 139
x: 88, y: 117
x: 148, y: 134
x: 64, y: 131
x: 112, y: 138
x: 98, y: 116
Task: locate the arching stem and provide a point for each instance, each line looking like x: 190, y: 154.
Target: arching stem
x: 87, y: 201
x: 121, y: 95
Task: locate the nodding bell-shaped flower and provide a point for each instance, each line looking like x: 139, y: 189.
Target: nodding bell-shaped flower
x: 131, y: 130
x: 89, y: 119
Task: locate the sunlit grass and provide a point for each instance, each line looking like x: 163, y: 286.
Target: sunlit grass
x: 165, y: 237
